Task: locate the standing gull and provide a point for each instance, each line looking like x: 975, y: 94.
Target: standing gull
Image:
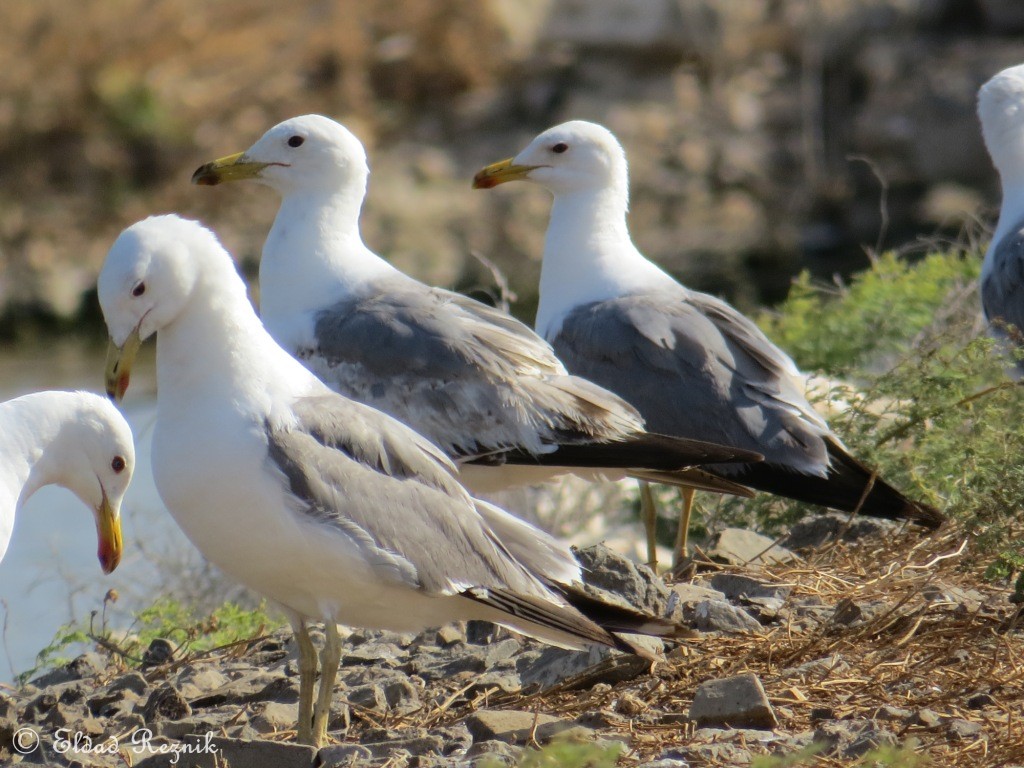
x: 476, y: 381
x: 1001, y: 110
x: 689, y: 362
x: 329, y: 507
x: 76, y: 440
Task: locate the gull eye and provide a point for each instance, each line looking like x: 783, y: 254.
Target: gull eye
x: 295, y: 141
x: 139, y: 289
x: 560, y: 147
x: 118, y: 464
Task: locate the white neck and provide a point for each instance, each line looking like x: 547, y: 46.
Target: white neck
x: 31, y: 426
x: 589, y: 256
x: 313, y: 257
x: 217, y: 348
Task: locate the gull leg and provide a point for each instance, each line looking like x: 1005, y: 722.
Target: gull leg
x: 329, y: 658
x: 684, y: 525
x: 307, y: 678
x: 649, y: 514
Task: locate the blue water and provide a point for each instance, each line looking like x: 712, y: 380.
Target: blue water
x: 50, y: 575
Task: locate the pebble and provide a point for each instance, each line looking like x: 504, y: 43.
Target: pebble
x: 738, y: 701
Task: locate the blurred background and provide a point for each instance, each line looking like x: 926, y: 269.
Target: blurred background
x: 764, y: 137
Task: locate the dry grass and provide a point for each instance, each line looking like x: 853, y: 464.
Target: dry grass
x: 920, y: 652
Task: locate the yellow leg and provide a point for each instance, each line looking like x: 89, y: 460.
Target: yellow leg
x: 329, y: 658
x: 683, y: 531
x: 649, y: 514
x: 307, y: 678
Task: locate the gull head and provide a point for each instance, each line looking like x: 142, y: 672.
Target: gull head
x: 571, y: 157
x: 1001, y: 110
x: 93, y: 456
x: 311, y: 152
x: 146, y: 281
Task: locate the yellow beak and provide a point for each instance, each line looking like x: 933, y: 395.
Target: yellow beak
x: 231, y: 168
x: 119, y: 365
x: 108, y: 533
x: 499, y: 173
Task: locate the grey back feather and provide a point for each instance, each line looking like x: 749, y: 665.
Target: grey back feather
x: 696, y: 367
x: 471, y: 378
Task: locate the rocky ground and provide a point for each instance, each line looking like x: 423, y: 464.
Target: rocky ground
x: 850, y: 637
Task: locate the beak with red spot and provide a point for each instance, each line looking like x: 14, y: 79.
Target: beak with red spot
x: 120, y: 360
x: 499, y: 173
x: 108, y: 534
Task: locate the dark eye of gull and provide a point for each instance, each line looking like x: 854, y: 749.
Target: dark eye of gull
x: 295, y: 141
x: 560, y: 147
x: 117, y: 464
x: 139, y: 289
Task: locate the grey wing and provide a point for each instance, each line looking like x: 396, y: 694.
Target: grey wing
x: 473, y: 379
x: 391, y: 492
x: 1002, y: 289
x: 695, y: 367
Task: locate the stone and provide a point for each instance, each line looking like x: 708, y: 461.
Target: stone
x: 131, y: 681
x: 889, y: 712
x: 369, y: 697
x: 494, y: 751
x: 718, y: 616
x: 196, y: 681
x: 980, y: 701
x: 425, y: 744
x: 400, y: 695
x: 963, y: 730
x: 514, y: 726
x: 159, y: 652
x: 343, y: 755
x: 869, y: 740
x: 818, y: 530
x: 85, y: 666
x: 165, y: 703
x: 275, y: 717
x: 450, y: 634
x: 736, y: 586
x: 735, y: 702
x: 687, y: 594
x: 927, y: 718
x: 615, y: 575
x: 738, y: 546
x: 817, y: 668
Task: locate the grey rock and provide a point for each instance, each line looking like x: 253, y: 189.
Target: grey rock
x: 37, y: 709
x: 738, y: 701
x: 504, y: 680
x: 343, y: 755
x: 551, y: 665
x: 718, y: 616
x: 159, y: 652
x: 369, y: 697
x: 964, y: 600
x: 450, y: 635
x: 418, y: 745
x: 165, y: 703
x: 723, y: 753
x: 963, y: 730
x: 84, y: 666
x: 374, y: 654
x: 613, y: 574
x: 889, y: 712
x: 869, y: 740
x: 736, y: 586
x: 130, y: 681
x: 275, y: 716
x: 493, y: 750
x: 927, y: 718
x: 685, y: 593
x: 198, y: 680
x: 251, y: 687
x: 400, y: 695
x: 980, y: 701
x: 515, y: 727
x: 817, y: 530
x: 738, y: 546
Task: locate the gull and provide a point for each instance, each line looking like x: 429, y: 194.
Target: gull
x: 479, y: 383
x: 76, y: 440
x: 689, y: 362
x: 332, y: 509
x: 1001, y: 111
